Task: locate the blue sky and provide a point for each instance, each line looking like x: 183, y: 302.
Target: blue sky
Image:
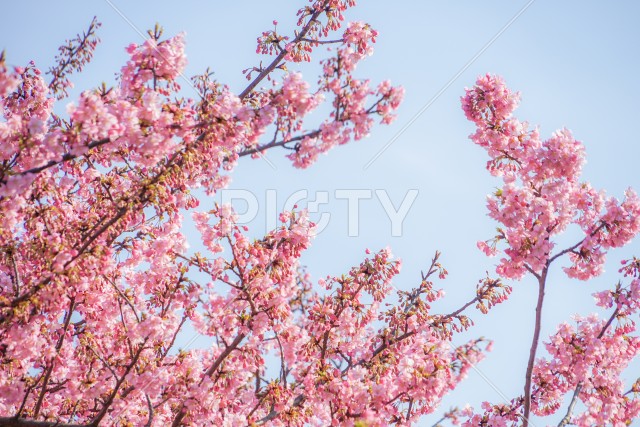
x: 576, y: 65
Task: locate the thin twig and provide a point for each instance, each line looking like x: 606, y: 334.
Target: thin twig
x: 181, y: 413
x: 272, y: 66
x: 565, y: 420
x: 47, y: 376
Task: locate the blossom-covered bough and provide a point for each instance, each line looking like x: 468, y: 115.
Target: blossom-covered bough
x: 97, y: 281
x: 542, y: 195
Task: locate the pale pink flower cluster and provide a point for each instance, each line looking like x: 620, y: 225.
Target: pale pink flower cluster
x: 352, y: 113
x: 581, y: 355
x: 153, y: 62
x: 361, y: 36
x: 500, y: 415
x: 293, y: 102
x: 542, y: 192
x: 352, y: 110
x: 8, y: 80
x: 26, y: 138
x: 26, y: 111
x: 391, y: 97
x: 96, y: 118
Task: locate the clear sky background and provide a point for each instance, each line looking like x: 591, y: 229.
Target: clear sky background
x: 576, y: 64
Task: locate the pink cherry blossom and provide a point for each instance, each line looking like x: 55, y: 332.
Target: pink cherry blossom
x: 100, y: 279
x: 541, y: 196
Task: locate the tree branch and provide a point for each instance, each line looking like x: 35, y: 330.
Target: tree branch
x: 181, y: 412
x: 280, y: 143
x: 17, y: 283
x: 559, y: 254
x: 565, y: 420
x: 65, y: 158
x: 112, y: 396
x: 19, y: 422
x: 47, y: 376
x: 534, y: 346
x: 265, y: 72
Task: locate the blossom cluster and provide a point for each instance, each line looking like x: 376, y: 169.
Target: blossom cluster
x: 351, y: 117
x: 542, y: 192
x: 98, y: 282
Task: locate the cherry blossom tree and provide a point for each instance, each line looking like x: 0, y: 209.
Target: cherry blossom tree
x: 97, y: 279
